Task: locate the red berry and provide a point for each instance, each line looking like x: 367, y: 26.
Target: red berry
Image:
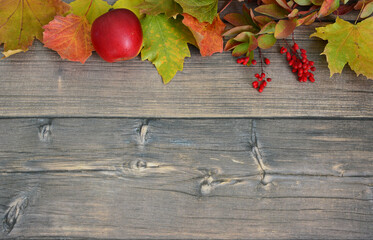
x: 264, y: 84
x: 300, y: 65
x: 295, y: 46
x: 294, y: 57
x: 311, y: 63
x: 257, y: 75
x: 303, y: 51
x: 294, y: 70
x: 305, y: 66
x: 267, y: 61
x: 312, y: 79
x: 245, y: 62
x: 260, y: 79
x: 282, y: 50
x: 288, y: 56
x: 269, y: 79
x: 303, y: 55
x: 300, y: 71
x: 260, y: 89
x: 291, y: 62
x: 304, y: 60
x: 253, y: 62
x: 239, y: 60
x: 263, y: 75
x: 300, y: 74
x: 255, y: 84
x: 313, y: 69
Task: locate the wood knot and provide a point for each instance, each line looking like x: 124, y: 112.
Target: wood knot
x: 11, y: 216
x: 45, y: 133
x: 138, y: 164
x: 206, y: 186
x: 143, y: 132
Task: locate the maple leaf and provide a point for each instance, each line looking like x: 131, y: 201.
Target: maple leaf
x: 70, y: 37
x: 155, y: 7
x: 348, y: 43
x: 132, y: 5
x: 22, y: 21
x: 203, y: 10
x: 92, y: 9
x: 208, y: 36
x: 165, y: 44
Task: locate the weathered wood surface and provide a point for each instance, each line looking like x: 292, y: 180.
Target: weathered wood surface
x: 207, y: 178
x: 105, y: 150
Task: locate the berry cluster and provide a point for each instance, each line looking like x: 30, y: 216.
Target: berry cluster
x: 261, y: 78
x: 299, y: 62
x: 261, y: 82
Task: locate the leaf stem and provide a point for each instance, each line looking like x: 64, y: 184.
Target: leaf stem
x: 261, y: 59
x: 361, y: 10
x: 89, y: 7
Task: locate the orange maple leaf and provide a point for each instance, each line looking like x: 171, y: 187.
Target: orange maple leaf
x: 70, y: 37
x: 208, y: 36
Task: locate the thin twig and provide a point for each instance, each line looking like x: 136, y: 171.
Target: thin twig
x: 226, y: 5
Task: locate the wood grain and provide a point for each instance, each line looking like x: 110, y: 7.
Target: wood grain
x: 174, y: 178
x: 38, y: 83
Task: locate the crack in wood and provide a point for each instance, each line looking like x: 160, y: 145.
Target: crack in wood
x: 257, y: 155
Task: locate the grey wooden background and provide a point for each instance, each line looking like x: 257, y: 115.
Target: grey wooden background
x: 105, y: 150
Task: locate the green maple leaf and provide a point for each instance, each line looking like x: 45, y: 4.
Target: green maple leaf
x: 348, y: 43
x: 92, y: 9
x: 165, y: 44
x: 203, y: 10
x: 22, y: 21
x: 155, y: 7
x: 132, y: 5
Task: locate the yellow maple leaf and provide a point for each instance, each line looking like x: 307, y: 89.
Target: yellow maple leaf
x: 348, y: 43
x: 21, y: 21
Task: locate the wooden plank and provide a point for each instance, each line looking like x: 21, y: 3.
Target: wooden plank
x: 174, y: 178
x: 38, y: 83
x: 94, y: 204
x: 240, y: 146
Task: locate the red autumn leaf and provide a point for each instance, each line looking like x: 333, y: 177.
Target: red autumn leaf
x: 284, y: 4
x: 266, y: 41
x: 327, y: 7
x: 344, y: 9
x: 284, y: 28
x: 262, y: 20
x: 70, y: 37
x: 208, y: 36
x: 236, y: 19
x: 268, y: 1
x: 307, y: 20
x: 272, y: 10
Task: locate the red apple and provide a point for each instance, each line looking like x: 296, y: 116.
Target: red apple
x: 117, y: 35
